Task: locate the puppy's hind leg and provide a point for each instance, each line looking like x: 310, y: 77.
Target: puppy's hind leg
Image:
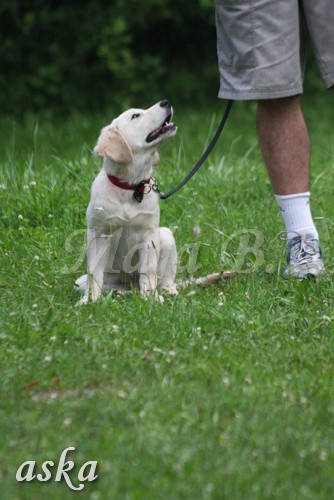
x: 167, y: 261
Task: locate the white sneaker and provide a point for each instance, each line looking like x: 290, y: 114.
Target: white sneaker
x: 304, y: 258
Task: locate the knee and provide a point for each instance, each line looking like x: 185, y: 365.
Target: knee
x: 166, y: 238
x: 167, y: 244
x: 281, y: 104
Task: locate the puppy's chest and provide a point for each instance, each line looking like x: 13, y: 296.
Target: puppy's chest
x: 134, y: 221
x: 133, y: 225
x: 131, y: 216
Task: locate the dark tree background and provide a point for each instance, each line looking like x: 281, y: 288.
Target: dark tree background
x: 84, y: 55
x: 67, y: 54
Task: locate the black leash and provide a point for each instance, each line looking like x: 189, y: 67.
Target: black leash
x: 200, y: 162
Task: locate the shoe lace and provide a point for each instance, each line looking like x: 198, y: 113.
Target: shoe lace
x: 302, y: 250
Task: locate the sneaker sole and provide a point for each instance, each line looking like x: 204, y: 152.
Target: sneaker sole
x: 303, y: 273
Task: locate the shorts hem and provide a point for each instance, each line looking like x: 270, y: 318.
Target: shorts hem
x: 248, y: 95
x: 329, y: 82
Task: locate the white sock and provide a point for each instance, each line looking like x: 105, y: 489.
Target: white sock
x: 296, y: 212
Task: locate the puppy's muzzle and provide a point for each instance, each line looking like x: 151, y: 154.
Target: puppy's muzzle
x: 166, y: 126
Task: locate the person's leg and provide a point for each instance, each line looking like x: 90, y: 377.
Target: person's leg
x: 285, y: 146
x: 261, y: 54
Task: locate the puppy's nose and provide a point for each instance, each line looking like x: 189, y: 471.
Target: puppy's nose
x: 164, y: 104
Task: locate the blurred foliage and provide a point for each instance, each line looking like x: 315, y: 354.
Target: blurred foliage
x: 67, y: 54
x: 84, y: 55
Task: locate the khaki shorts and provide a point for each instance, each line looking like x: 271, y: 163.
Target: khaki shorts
x: 261, y: 46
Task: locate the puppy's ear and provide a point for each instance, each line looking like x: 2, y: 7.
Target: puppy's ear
x: 156, y: 159
x: 112, y: 144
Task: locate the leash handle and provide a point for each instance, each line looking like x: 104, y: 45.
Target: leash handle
x: 206, y: 153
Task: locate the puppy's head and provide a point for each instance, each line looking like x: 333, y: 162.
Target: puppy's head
x: 136, y: 132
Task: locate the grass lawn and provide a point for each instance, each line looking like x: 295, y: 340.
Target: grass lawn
x: 224, y: 392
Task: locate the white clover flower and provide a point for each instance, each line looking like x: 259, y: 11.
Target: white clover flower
x: 67, y: 422
x: 226, y: 382
x: 197, y: 230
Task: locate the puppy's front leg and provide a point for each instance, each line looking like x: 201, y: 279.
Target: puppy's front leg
x: 148, y: 265
x: 97, y: 250
x: 167, y: 261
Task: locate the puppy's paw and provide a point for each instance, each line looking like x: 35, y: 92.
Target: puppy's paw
x: 82, y: 302
x: 171, y: 289
x: 152, y: 294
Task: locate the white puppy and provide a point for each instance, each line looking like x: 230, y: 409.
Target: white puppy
x: 125, y: 245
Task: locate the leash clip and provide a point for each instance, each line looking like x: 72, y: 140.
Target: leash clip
x: 156, y: 189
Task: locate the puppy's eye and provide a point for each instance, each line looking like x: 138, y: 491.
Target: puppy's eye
x: 136, y: 115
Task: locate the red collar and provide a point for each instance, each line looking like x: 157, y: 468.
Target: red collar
x: 131, y: 187
x: 138, y: 189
